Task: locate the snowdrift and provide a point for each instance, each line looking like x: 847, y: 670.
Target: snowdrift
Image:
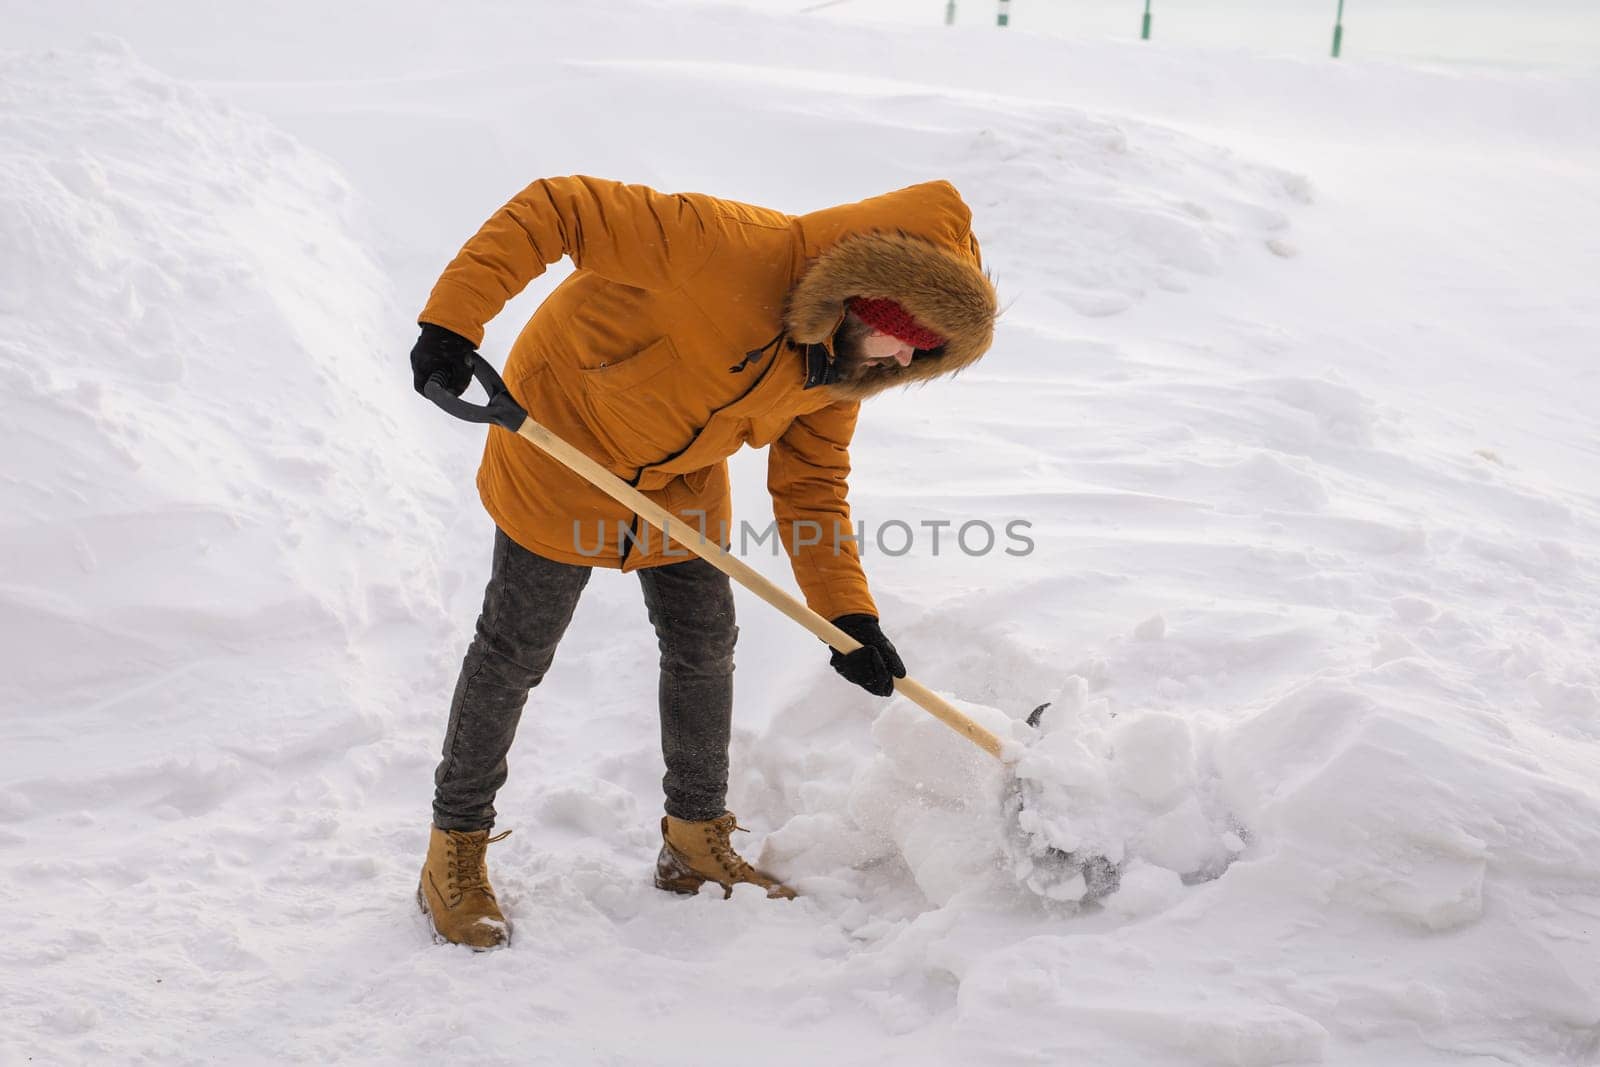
x: 205, y: 456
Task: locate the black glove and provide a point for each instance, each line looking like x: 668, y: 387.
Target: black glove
x: 875, y: 665
x: 442, y: 350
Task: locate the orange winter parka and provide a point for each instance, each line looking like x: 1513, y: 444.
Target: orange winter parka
x: 692, y: 326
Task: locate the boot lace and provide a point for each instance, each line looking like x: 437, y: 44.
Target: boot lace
x: 719, y: 839
x: 467, y: 867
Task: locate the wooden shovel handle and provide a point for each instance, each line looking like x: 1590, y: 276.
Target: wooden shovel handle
x: 740, y: 571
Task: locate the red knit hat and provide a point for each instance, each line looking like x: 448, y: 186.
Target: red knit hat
x: 889, y: 317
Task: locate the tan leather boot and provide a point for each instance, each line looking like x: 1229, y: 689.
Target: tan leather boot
x: 455, y: 893
x: 693, y: 853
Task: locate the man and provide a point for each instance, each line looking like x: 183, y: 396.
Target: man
x: 692, y: 326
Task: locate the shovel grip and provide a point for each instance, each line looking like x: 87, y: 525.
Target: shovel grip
x: 501, y: 408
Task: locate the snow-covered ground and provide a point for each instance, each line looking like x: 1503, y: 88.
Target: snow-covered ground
x: 1296, y: 387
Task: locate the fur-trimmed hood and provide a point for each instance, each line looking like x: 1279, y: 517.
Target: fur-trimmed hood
x: 942, y: 290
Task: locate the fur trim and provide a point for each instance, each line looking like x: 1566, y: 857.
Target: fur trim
x: 941, y: 290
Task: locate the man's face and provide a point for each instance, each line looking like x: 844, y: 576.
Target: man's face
x: 879, y: 348
x: 861, y: 352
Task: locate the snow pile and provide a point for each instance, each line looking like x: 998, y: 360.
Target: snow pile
x: 1096, y: 214
x: 1129, y: 791
x: 1264, y: 846
x: 203, y: 453
x: 929, y: 801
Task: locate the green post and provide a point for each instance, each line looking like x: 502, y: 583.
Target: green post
x: 1338, y: 30
x: 1004, y: 18
x: 1144, y: 32
x: 950, y: 13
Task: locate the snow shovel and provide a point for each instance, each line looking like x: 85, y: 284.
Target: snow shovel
x: 1044, y: 865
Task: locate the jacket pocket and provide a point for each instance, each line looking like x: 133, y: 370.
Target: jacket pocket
x: 655, y: 358
x: 641, y: 405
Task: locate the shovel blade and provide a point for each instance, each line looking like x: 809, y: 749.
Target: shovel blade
x: 1042, y: 868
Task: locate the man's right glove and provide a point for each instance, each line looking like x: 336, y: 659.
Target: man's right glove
x: 442, y: 350
x: 875, y: 665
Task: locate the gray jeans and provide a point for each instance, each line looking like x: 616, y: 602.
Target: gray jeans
x: 526, y: 609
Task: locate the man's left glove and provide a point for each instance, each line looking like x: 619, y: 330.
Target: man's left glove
x: 875, y: 665
x: 439, y: 349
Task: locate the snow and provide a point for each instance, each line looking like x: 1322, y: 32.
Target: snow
x: 1295, y: 388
